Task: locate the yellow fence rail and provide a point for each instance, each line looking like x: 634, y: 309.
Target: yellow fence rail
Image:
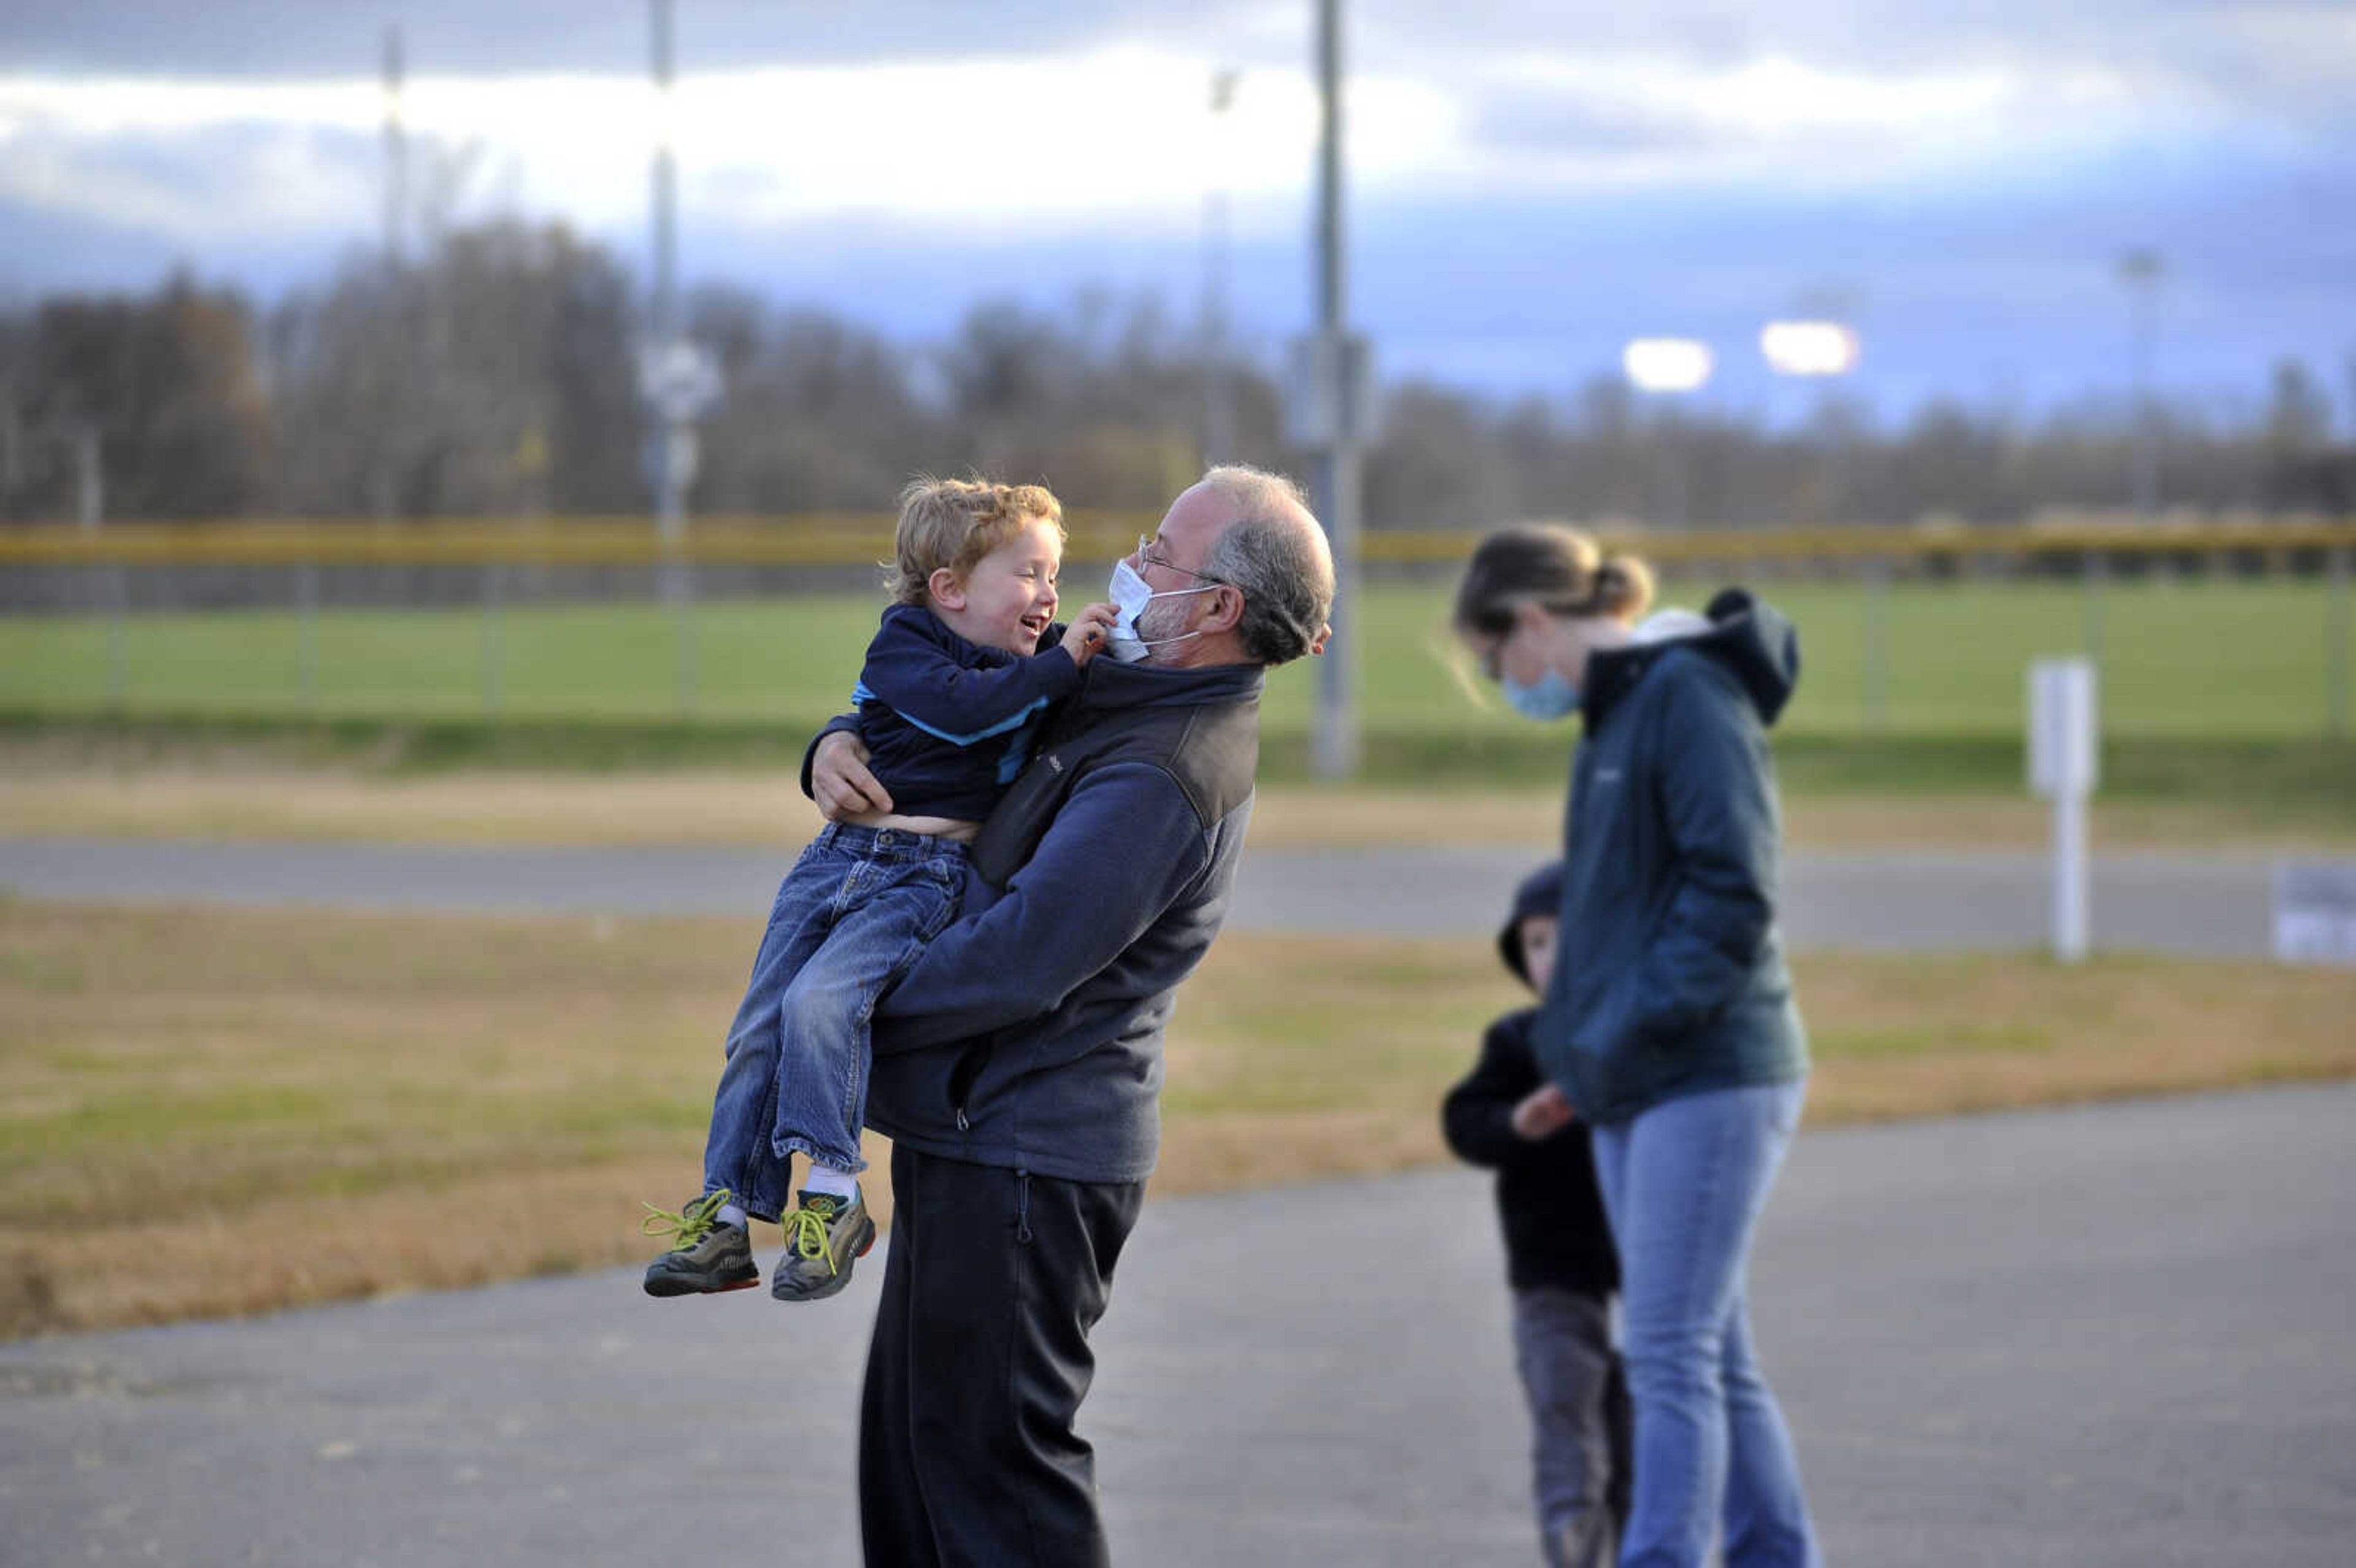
x: 854, y: 540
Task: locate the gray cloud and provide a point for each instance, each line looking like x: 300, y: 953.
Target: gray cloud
x: 2275, y: 61
x: 2278, y: 60
x: 1968, y: 275
x: 1525, y: 121
x: 274, y: 37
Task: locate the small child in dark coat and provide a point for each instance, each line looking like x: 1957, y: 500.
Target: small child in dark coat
x: 1559, y: 1257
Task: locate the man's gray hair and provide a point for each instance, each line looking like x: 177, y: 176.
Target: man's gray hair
x: 1276, y: 553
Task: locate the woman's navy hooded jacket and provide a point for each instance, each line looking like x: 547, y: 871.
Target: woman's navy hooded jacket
x: 1670, y: 977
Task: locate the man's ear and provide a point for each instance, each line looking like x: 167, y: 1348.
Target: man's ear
x: 1226, y: 609
x: 945, y: 589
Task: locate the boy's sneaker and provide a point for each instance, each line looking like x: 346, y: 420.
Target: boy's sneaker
x: 706, y: 1254
x: 823, y: 1237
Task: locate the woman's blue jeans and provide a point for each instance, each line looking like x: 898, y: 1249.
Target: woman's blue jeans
x: 850, y: 919
x: 1683, y: 1183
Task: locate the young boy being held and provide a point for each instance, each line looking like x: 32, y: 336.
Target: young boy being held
x: 1559, y: 1257
x: 952, y: 690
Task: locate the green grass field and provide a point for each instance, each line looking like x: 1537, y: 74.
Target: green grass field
x: 2207, y: 660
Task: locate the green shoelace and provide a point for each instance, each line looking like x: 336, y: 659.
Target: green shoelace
x: 805, y: 1233
x: 687, y: 1226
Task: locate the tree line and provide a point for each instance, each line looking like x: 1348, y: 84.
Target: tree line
x: 495, y: 376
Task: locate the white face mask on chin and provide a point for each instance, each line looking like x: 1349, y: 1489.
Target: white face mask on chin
x: 1131, y: 594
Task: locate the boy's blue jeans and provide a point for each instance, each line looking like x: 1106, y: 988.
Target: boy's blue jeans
x: 1683, y: 1183
x: 849, y: 919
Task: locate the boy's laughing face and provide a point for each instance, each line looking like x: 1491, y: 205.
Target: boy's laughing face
x: 1009, y: 597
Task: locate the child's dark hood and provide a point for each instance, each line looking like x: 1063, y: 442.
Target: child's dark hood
x: 1541, y: 893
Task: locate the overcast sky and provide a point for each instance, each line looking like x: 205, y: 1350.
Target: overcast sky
x: 1531, y: 184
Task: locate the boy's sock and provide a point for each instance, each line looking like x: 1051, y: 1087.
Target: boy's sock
x: 733, y: 1214
x: 833, y: 1183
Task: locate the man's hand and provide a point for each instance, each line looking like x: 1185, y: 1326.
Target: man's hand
x: 1542, y: 1113
x: 1089, y: 631
x: 840, y: 781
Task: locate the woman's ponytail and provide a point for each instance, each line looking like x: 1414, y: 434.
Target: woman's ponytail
x: 1551, y: 566
x: 1623, y: 587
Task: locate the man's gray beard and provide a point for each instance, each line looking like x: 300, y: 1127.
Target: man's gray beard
x: 1161, y: 619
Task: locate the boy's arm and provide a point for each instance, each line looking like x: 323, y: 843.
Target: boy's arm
x: 920, y: 680
x: 1477, y: 1117
x: 1122, y: 848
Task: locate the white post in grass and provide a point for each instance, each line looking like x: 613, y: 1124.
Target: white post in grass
x: 2062, y: 767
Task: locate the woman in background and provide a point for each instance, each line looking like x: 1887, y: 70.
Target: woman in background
x: 1669, y: 1019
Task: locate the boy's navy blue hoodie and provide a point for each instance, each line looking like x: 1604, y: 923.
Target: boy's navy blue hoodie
x: 1028, y: 1034
x: 928, y: 700
x: 1670, y: 977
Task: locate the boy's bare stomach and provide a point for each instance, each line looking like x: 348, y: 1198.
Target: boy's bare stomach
x: 938, y: 826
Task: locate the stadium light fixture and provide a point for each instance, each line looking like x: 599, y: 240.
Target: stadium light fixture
x: 1809, y: 347
x: 1666, y: 364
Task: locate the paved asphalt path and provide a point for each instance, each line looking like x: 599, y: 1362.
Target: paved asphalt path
x: 2216, y: 906
x: 2114, y: 1337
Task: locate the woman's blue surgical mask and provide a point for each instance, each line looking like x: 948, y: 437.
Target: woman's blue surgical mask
x: 1131, y: 594
x: 1546, y: 700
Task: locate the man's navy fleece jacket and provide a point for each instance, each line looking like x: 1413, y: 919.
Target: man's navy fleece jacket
x: 1028, y: 1034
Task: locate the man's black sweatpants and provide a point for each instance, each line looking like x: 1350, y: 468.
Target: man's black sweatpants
x: 994, y: 1277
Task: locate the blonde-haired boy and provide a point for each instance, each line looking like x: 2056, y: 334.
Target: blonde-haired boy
x: 952, y: 689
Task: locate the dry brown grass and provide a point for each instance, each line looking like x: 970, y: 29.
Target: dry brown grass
x: 459, y: 809
x: 45, y: 796
x: 215, y: 1112
x: 1921, y: 1035
x: 224, y: 1112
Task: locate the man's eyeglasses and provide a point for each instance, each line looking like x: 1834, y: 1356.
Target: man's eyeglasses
x: 1145, y: 558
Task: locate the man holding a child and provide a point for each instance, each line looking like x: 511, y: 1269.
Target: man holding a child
x: 1018, y: 1066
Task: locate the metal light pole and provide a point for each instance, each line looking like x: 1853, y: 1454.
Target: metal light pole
x: 669, y: 499
x: 1667, y: 368
x: 2141, y: 270
x: 1820, y: 349
x: 89, y: 511
x: 396, y: 151
x: 2336, y: 687
x: 1218, y: 386
x: 1336, y: 740
x: 666, y: 359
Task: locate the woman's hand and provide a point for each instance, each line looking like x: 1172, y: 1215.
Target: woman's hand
x: 1542, y: 1113
x: 840, y: 781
